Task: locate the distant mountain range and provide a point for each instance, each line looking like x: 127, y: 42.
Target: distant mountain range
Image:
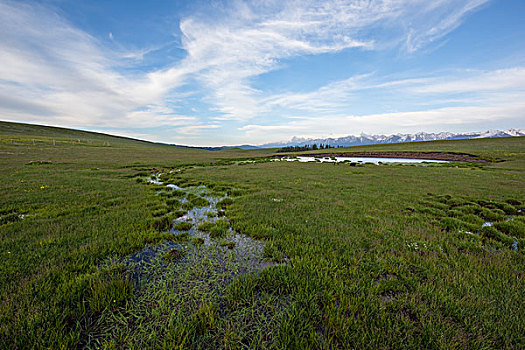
x: 364, y: 139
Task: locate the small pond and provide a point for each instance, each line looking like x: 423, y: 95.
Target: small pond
x: 304, y: 159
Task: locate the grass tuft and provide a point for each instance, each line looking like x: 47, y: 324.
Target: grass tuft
x: 174, y: 254
x: 227, y: 244
x: 183, y: 226
x: 197, y: 241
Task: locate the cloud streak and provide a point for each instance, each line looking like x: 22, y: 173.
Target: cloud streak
x: 387, y: 123
x: 232, y: 53
x: 54, y: 73
x: 478, y: 97
x: 62, y: 75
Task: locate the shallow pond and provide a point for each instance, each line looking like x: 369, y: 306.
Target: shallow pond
x: 304, y: 159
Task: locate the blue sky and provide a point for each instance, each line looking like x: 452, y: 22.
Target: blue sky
x: 250, y: 72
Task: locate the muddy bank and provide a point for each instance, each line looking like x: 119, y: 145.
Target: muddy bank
x: 452, y: 157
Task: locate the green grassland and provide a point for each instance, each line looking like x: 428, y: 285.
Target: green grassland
x: 24, y: 143
x: 508, y: 148
x: 386, y: 256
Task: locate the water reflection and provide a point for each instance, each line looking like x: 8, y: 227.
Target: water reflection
x: 305, y: 159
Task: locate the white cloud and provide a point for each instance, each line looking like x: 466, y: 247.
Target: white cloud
x: 232, y: 52
x: 481, y: 86
x: 477, y: 81
x: 325, y: 99
x: 196, y: 129
x: 54, y: 73
x: 435, y: 120
x: 441, y: 17
x: 52, y: 67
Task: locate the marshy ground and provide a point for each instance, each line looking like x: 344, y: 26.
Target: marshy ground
x: 242, y: 252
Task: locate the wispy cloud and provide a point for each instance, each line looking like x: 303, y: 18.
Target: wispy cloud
x: 195, y: 129
x: 440, y: 18
x: 327, y: 98
x: 232, y: 52
x: 344, y: 94
x: 479, y: 97
x: 476, y: 81
x: 54, y: 73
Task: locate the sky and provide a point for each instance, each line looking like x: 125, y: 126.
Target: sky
x: 211, y: 73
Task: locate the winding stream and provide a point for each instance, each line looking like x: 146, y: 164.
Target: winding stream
x: 224, y: 258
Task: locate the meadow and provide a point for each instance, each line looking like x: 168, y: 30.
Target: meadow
x: 294, y: 255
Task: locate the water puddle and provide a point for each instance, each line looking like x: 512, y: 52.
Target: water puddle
x: 175, y: 280
x: 223, y: 257
x: 363, y: 160
x: 490, y: 223
x: 175, y: 187
x: 187, y: 276
x: 155, y: 180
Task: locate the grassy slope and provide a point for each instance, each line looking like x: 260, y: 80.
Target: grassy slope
x: 355, y: 278
x: 25, y: 142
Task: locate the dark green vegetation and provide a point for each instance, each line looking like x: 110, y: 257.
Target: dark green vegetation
x: 487, y: 221
x: 303, y: 148
x: 174, y: 254
x: 182, y: 226
x: 367, y: 257
x: 216, y: 229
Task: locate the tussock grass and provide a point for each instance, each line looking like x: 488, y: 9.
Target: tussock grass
x: 179, y: 237
x: 197, y: 241
x: 174, y: 254
x: 223, y: 203
x: 514, y: 228
x: 468, y: 215
x: 182, y: 226
x: 227, y: 244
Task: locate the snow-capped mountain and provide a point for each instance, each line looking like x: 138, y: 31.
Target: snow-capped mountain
x: 364, y: 139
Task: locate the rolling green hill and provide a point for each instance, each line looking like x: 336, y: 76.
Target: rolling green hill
x: 67, y: 145
x: 45, y: 133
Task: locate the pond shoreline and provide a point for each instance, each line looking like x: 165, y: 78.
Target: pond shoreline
x: 452, y: 157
